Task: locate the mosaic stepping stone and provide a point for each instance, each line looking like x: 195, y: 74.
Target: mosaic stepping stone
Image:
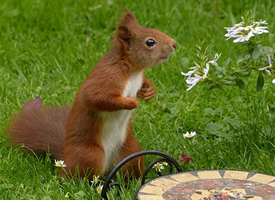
x: 196, y: 185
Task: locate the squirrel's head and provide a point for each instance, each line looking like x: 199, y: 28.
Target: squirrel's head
x: 143, y: 46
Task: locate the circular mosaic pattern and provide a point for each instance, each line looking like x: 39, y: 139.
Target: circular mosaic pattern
x: 195, y: 185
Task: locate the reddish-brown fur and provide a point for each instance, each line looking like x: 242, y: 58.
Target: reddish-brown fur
x: 40, y: 130
x: 80, y: 144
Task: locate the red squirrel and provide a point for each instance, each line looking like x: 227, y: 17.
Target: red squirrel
x: 95, y: 134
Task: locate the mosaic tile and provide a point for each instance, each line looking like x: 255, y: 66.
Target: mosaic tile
x: 262, y: 178
x: 235, y: 175
x: 152, y: 189
x: 184, y: 177
x: 209, y: 174
x: 164, y: 182
x: 272, y: 184
x: 150, y: 197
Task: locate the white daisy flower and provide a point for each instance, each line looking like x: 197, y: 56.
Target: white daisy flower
x: 95, y: 179
x: 158, y: 167
x: 99, y: 189
x: 189, y: 135
x: 59, y: 163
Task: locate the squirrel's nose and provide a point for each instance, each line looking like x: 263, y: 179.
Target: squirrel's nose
x: 174, y: 44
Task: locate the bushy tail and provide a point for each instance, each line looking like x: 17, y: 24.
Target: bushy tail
x: 40, y: 129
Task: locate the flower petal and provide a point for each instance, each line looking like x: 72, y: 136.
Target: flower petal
x: 189, y: 135
x: 59, y: 163
x: 269, y: 60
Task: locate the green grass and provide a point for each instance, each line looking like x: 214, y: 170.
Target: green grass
x: 48, y: 48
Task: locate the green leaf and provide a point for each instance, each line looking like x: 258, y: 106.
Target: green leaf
x: 220, y: 69
x: 239, y: 58
x: 260, y: 82
x: 80, y: 194
x: 226, y: 63
x: 256, y: 53
x: 197, y: 64
x: 267, y: 50
x: 5, y: 185
x: 240, y: 83
x: 247, y: 57
x: 231, y: 78
x: 226, y: 82
x: 212, y: 86
x: 214, y: 128
x: 242, y: 72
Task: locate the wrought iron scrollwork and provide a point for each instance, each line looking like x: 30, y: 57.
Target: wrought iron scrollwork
x: 166, y: 158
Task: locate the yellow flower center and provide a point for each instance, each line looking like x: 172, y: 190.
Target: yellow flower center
x: 96, y: 179
x: 99, y: 190
x: 158, y: 166
x: 59, y: 164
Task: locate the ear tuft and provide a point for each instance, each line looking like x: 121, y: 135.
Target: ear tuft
x: 129, y: 18
x: 125, y: 30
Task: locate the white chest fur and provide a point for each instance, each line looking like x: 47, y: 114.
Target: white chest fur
x: 115, y: 123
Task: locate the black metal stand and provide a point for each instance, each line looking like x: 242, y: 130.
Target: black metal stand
x: 166, y: 158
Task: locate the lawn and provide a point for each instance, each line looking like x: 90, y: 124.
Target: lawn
x: 48, y: 48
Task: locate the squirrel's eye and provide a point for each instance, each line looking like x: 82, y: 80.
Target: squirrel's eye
x: 150, y: 43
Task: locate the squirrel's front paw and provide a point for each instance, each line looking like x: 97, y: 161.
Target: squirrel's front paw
x: 133, y: 103
x: 147, y: 91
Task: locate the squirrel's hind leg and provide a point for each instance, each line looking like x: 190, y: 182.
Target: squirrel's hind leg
x: 84, y: 161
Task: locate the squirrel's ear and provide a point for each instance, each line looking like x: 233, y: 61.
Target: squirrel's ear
x: 125, y: 33
x: 129, y: 18
x: 125, y: 30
